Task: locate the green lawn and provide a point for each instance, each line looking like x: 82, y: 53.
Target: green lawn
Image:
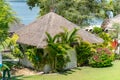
x: 82, y: 73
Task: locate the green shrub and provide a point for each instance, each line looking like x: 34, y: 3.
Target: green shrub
x: 83, y: 53
x: 105, y: 36
x: 35, y: 56
x: 117, y: 56
x: 101, y: 58
x: 97, y: 30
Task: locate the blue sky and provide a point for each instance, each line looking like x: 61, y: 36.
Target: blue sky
x: 23, y: 12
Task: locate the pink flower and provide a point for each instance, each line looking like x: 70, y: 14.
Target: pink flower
x: 95, y: 57
x: 99, y: 49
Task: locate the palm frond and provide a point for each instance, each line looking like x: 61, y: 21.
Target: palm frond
x: 72, y: 34
x: 49, y: 38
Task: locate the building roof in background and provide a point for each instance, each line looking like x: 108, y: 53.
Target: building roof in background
x: 15, y: 26
x: 108, y: 23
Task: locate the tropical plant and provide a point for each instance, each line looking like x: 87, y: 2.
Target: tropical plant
x: 105, y: 36
x: 6, y: 17
x: 57, y: 47
x: 51, y: 39
x: 56, y: 55
x: 103, y: 57
x: 69, y: 37
x: 84, y: 52
x: 35, y: 56
x: 15, y: 48
x: 56, y: 52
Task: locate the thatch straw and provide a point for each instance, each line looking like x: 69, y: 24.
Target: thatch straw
x: 34, y: 33
x: 15, y: 26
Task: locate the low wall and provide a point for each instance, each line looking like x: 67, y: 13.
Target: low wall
x: 26, y: 62
x: 73, y: 59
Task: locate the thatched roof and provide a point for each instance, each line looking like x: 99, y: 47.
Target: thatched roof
x: 15, y: 26
x: 87, y: 36
x: 108, y: 23
x: 34, y: 33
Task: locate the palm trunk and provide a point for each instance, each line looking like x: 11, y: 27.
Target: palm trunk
x: 54, y: 64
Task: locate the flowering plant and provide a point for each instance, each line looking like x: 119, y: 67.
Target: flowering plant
x: 101, y: 58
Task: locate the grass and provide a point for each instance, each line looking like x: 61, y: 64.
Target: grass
x: 81, y: 73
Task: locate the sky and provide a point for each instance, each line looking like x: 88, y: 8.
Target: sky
x: 23, y: 12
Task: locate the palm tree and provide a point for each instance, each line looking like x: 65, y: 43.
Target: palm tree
x: 51, y: 39
x: 58, y: 45
x: 56, y: 52
x: 70, y: 37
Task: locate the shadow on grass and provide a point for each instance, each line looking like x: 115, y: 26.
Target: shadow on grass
x: 70, y: 71
x: 77, y: 68
x: 103, y: 67
x: 17, y: 77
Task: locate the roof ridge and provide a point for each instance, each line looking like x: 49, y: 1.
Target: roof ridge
x: 45, y: 29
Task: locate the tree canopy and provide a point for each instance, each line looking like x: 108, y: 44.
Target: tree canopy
x: 6, y: 16
x: 77, y: 11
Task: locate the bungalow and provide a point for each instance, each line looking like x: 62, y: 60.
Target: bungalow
x: 34, y: 34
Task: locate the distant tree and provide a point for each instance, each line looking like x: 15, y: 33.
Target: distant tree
x: 77, y: 11
x: 116, y: 5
